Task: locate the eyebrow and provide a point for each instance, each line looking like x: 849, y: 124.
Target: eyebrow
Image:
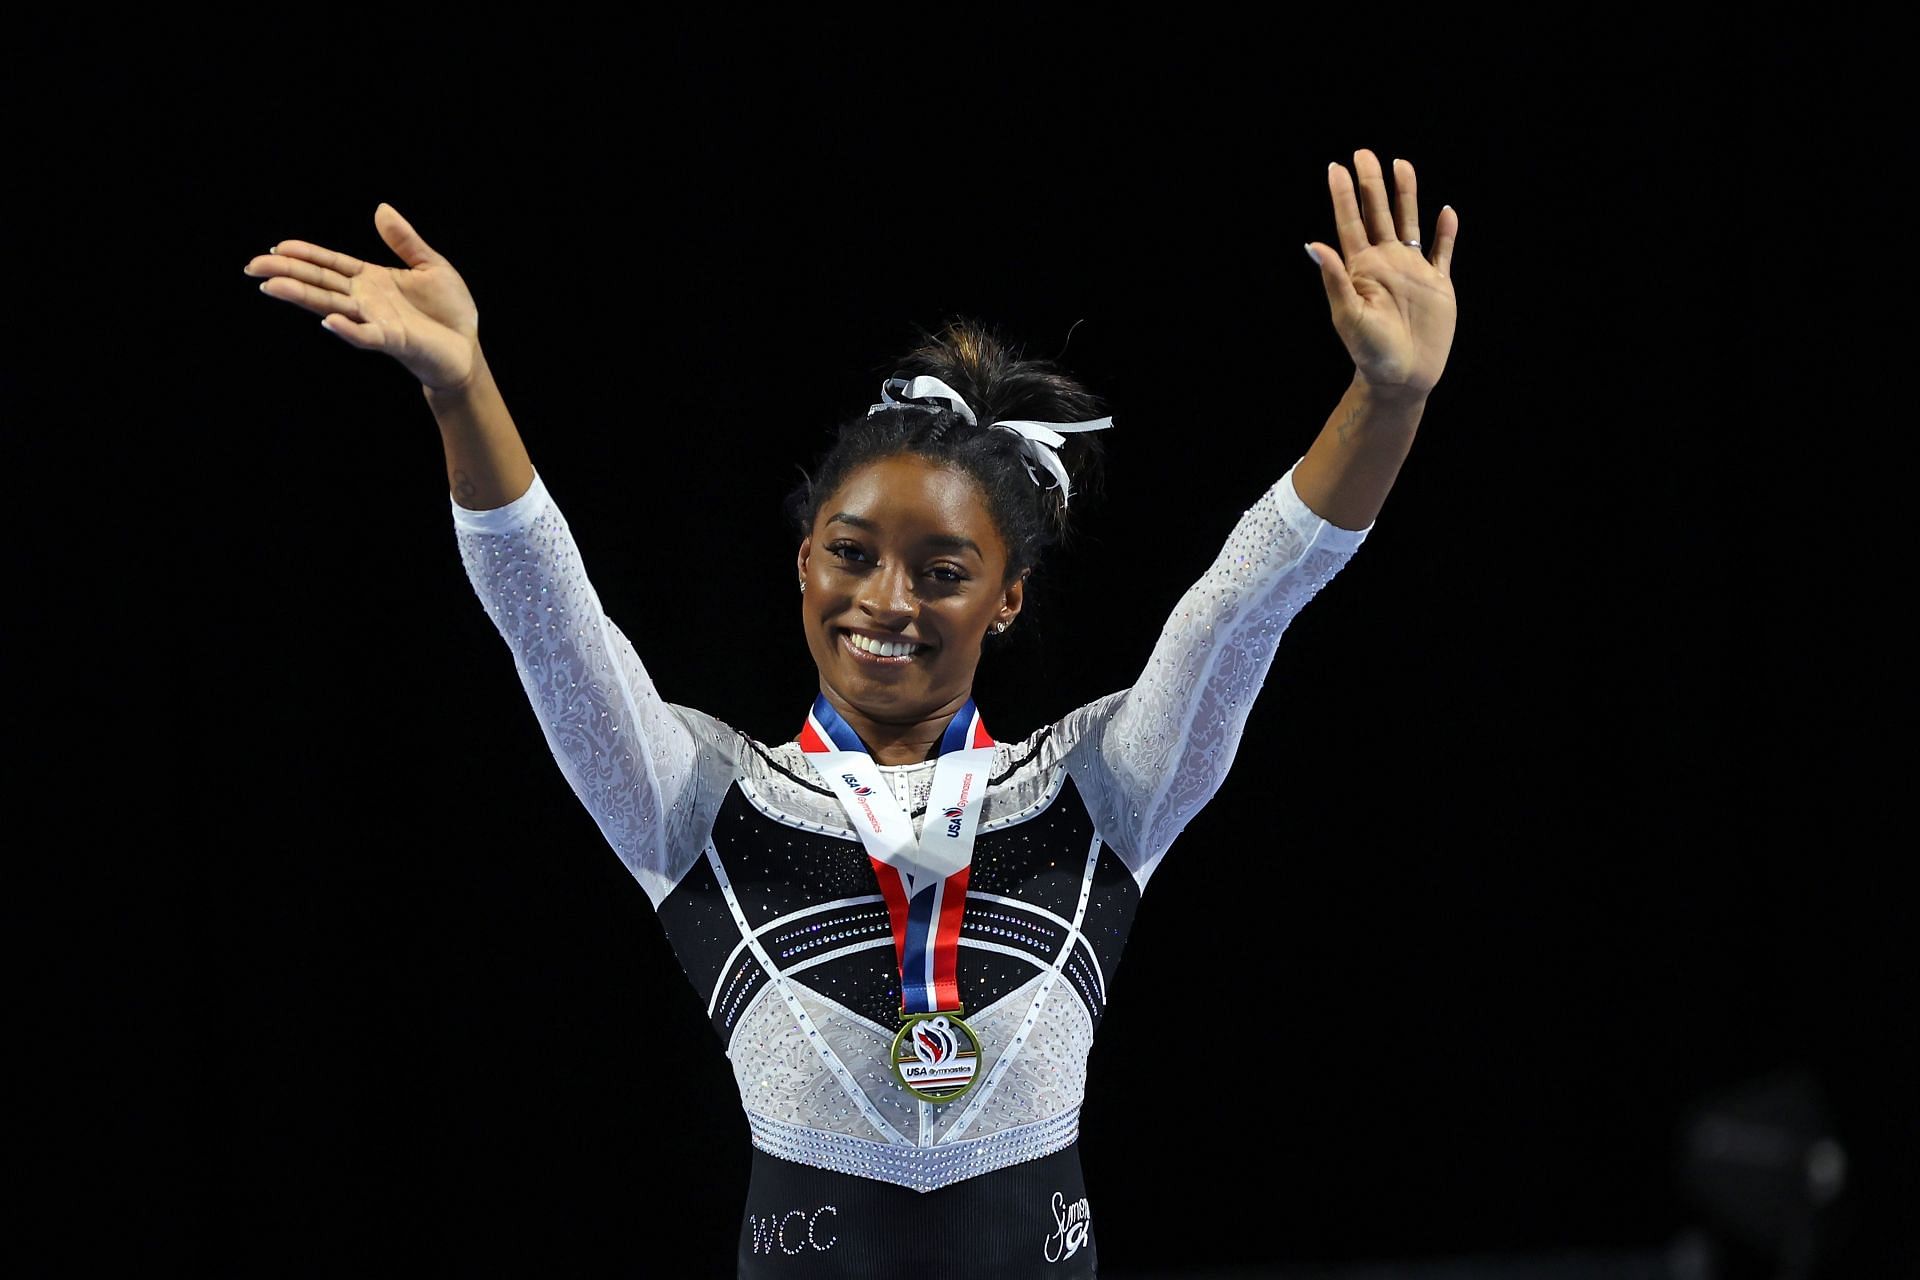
x: 945, y: 541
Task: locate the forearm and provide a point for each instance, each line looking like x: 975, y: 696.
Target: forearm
x: 1173, y: 734
x: 627, y: 756
x: 487, y: 463
x: 1355, y: 459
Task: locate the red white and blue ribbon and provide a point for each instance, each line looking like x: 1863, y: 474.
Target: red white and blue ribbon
x: 923, y: 878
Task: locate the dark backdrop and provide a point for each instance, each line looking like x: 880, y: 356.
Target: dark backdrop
x: 1522, y: 855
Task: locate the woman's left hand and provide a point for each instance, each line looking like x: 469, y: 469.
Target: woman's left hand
x: 1392, y: 303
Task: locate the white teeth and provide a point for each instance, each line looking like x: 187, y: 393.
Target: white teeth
x: 881, y: 648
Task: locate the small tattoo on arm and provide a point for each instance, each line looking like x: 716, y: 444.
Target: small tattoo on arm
x: 463, y: 486
x: 1345, y: 427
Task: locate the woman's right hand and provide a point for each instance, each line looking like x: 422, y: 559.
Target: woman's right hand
x: 421, y: 315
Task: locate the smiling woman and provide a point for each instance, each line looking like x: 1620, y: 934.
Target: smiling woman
x: 921, y: 528
x: 905, y: 933
x: 907, y: 584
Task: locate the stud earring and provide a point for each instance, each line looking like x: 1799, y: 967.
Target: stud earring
x: 998, y: 627
x: 803, y: 584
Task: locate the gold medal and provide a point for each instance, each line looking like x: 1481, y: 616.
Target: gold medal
x: 936, y: 1056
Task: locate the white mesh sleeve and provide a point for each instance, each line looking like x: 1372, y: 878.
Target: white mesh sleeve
x: 634, y: 760
x: 1156, y: 752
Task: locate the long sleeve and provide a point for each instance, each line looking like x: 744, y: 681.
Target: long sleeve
x: 634, y: 760
x: 1158, y: 751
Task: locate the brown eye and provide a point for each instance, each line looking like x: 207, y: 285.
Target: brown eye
x: 846, y: 551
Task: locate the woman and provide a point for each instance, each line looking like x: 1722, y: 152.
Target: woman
x: 904, y: 931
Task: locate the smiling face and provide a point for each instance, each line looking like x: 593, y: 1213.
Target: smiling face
x: 903, y: 573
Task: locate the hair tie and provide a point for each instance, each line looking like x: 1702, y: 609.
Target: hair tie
x: 1038, y: 440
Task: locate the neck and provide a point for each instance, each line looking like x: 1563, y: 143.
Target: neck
x: 898, y: 741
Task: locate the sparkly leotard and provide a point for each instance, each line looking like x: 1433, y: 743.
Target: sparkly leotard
x: 772, y: 906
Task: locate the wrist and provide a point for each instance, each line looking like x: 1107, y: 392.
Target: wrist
x: 478, y: 375
x: 1390, y: 397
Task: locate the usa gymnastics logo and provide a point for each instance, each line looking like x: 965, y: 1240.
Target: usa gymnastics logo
x: 953, y: 814
x: 934, y: 1043
x: 855, y: 784
x: 936, y: 1056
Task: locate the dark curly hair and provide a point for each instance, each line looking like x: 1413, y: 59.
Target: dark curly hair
x: 997, y: 383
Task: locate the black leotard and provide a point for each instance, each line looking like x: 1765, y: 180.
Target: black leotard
x: 773, y: 909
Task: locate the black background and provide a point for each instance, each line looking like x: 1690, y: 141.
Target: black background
x: 1533, y: 841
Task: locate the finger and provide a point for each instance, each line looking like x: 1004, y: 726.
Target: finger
x: 402, y: 238
x: 1333, y: 276
x: 368, y: 337
x: 1408, y: 220
x: 1446, y: 230
x: 1347, y: 222
x: 1373, y: 196
x: 345, y: 263
x: 319, y: 301
x: 271, y: 264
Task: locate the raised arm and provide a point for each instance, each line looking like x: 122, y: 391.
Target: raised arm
x: 1163, y: 746
x: 1392, y: 303
x: 635, y: 761
x: 629, y: 756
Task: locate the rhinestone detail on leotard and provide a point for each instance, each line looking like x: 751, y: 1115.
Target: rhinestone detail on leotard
x: 655, y: 775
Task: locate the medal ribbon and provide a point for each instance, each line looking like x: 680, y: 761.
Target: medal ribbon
x: 924, y: 879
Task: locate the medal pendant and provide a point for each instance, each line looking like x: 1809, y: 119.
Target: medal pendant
x: 936, y: 1056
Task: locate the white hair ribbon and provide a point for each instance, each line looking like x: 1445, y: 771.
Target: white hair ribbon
x: 1038, y: 440
x: 924, y: 387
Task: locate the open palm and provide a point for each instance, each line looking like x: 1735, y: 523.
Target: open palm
x: 421, y: 314
x: 1392, y: 306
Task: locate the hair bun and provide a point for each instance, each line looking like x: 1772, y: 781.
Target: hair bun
x: 991, y: 374
x: 1025, y: 474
